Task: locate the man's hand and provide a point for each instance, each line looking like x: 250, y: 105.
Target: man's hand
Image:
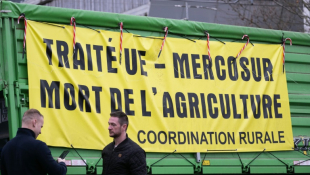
x: 61, y: 160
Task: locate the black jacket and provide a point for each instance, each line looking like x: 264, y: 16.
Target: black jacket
x: 24, y: 155
x: 127, y: 158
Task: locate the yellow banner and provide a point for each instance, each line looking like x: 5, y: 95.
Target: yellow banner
x: 178, y: 101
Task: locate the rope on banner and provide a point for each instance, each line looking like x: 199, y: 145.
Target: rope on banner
x: 283, y: 45
x: 162, y: 45
x: 208, y: 44
x: 244, y: 36
x: 72, y: 21
x: 121, y: 43
x: 22, y: 15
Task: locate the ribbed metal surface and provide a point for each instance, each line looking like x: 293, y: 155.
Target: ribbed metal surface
x: 115, y: 6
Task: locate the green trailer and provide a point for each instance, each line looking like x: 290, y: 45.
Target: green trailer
x: 14, y: 96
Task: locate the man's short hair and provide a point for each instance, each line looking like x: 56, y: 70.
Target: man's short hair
x: 122, y: 117
x: 31, y: 114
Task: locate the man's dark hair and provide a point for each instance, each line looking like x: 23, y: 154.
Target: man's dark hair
x: 122, y: 117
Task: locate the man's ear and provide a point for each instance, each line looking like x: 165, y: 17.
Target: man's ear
x: 34, y: 122
x: 125, y: 126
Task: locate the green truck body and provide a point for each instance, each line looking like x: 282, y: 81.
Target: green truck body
x: 14, y: 99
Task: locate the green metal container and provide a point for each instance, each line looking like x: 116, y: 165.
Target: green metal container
x: 14, y: 99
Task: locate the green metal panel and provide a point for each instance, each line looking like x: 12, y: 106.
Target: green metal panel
x: 224, y: 169
x: 295, y: 48
x: 158, y: 165
x: 76, y: 170
x: 9, y: 74
x: 172, y: 170
x: 99, y: 170
x: 267, y: 169
x: 302, y: 169
x: 298, y: 82
x: 301, y: 122
x: 297, y: 58
x: 297, y: 87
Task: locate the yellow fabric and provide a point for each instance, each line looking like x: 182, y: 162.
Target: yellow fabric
x: 169, y: 108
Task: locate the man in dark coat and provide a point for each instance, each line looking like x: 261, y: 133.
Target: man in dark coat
x: 27, y: 156
x: 122, y: 156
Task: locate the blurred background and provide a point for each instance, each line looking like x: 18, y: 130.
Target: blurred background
x: 291, y: 15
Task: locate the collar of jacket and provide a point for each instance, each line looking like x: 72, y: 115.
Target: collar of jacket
x: 122, y: 144
x: 25, y: 131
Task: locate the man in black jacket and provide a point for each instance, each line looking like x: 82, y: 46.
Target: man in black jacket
x: 122, y: 156
x: 27, y: 156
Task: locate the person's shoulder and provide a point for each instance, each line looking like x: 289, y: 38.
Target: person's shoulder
x: 39, y: 144
x: 6, y: 146
x: 132, y: 143
x: 135, y: 147
x: 137, y: 154
x: 109, y: 146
